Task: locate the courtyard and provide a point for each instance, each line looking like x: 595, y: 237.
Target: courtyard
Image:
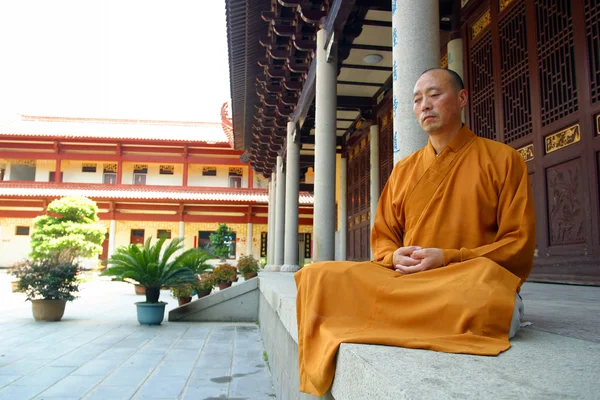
x: 99, y: 351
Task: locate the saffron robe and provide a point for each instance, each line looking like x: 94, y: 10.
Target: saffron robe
x: 474, y: 201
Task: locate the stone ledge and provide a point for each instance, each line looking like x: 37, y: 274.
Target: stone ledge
x: 238, y: 303
x: 539, y: 364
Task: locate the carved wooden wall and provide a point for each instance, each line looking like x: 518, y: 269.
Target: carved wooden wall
x: 386, y: 151
x: 358, y: 199
x: 533, y: 71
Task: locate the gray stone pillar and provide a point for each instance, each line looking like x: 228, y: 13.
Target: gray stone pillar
x: 325, y: 138
x: 112, y: 235
x: 279, y: 215
x: 416, y: 47
x: 343, y: 217
x: 455, y: 60
x: 271, y: 224
x: 182, y: 229
x: 374, y: 157
x: 292, y: 187
x: 249, y: 247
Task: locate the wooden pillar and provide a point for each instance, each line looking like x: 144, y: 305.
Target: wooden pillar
x: 57, y: 170
x: 185, y: 166
x: 250, y: 177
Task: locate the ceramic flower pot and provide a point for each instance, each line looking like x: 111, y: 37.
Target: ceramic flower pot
x: 224, y: 285
x: 140, y: 290
x: 184, y: 300
x: 203, y: 293
x: 48, y: 310
x: 150, y: 313
x: 250, y: 275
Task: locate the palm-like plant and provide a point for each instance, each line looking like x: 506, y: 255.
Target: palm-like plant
x: 152, y: 267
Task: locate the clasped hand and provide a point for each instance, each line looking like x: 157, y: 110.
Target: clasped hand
x: 411, y: 259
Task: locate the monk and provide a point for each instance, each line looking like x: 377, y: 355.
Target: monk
x: 453, y: 242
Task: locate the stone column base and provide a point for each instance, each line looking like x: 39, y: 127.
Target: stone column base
x: 289, y: 268
x: 272, y: 268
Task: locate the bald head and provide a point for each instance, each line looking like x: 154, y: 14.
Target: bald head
x: 455, y: 79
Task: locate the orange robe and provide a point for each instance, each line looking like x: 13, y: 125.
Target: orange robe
x: 473, y: 201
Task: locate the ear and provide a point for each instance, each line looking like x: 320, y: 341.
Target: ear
x: 463, y: 98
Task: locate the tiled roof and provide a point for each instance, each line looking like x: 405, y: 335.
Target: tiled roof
x: 72, y: 128
x: 137, y: 192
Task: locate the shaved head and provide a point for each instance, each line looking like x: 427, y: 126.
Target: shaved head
x: 455, y: 79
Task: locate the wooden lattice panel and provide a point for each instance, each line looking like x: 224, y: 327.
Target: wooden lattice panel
x: 515, y: 74
x: 556, y: 54
x: 386, y: 154
x: 592, y: 28
x: 483, y: 116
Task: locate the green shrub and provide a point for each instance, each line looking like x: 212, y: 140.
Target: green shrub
x: 46, y: 279
x: 224, y: 273
x: 247, y: 264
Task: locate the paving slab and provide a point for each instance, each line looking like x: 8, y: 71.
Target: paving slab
x: 99, y: 351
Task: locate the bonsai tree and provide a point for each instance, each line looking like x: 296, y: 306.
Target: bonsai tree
x: 69, y: 231
x: 152, y: 267
x: 248, y: 266
x: 44, y: 279
x: 219, y: 242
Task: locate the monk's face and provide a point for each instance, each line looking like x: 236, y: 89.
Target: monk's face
x: 436, y: 102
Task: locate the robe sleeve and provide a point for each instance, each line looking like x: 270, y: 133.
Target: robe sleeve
x: 386, y: 235
x: 514, y: 243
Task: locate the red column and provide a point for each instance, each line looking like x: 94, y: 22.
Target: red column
x: 119, y: 172
x: 185, y: 171
x: 250, y: 177
x: 57, y: 170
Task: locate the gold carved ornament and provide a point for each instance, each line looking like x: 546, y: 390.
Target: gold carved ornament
x: 140, y: 166
x: 561, y: 139
x: 236, y: 170
x: 89, y: 165
x: 167, y: 168
x: 504, y: 4
x: 444, y: 61
x: 526, y: 152
x: 207, y: 168
x: 109, y: 167
x: 481, y: 24
x: 19, y: 161
x: 598, y: 124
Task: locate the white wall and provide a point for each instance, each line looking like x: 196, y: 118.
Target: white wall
x: 153, y: 177
x: 195, y: 177
x: 13, y: 248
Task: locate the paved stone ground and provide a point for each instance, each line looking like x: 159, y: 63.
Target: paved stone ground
x: 99, y: 351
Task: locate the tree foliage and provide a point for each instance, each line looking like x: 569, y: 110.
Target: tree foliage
x: 68, y: 231
x: 43, y: 279
x: 220, y: 240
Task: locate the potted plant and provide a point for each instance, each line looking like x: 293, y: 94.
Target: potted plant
x: 182, y: 292
x: 224, y: 274
x: 205, y: 284
x: 69, y: 231
x: 48, y: 285
x: 220, y: 242
x: 152, y: 268
x: 248, y: 266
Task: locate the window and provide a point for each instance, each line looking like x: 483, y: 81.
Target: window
x: 204, y: 242
x: 109, y: 178
x: 209, y: 171
x: 235, y: 181
x: 22, y: 231
x: 139, y: 174
x: 166, y: 233
x: 139, y: 179
x: 86, y: 167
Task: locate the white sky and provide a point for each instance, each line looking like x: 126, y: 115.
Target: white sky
x: 114, y: 59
